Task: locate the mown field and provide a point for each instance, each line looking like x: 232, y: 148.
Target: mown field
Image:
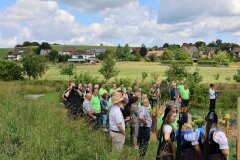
x: 134, y: 71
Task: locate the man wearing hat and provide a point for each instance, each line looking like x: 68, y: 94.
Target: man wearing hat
x: 117, y: 124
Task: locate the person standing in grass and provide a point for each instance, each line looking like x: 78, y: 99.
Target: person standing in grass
x: 145, y: 123
x: 117, y: 124
x: 103, y: 89
x: 167, y: 136
x: 113, y: 89
x: 185, y: 94
x: 134, y: 121
x: 95, y: 102
x: 104, y: 107
x: 212, y: 94
x: 87, y: 108
x: 174, y: 94
x: 121, y: 88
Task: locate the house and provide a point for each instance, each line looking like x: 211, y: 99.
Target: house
x: 212, y: 50
x: 205, y: 54
x: 69, y: 51
x: 189, y: 49
x: 99, y: 50
x: 158, y: 53
x: 14, y: 57
x: 45, y: 51
x: 60, y: 52
x: 76, y: 60
x: 236, y: 52
x: 135, y: 50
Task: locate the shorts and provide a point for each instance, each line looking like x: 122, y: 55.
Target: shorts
x: 185, y: 103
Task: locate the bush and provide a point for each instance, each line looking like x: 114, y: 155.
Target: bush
x: 222, y: 58
x: 187, y: 62
x: 207, y: 62
x: 236, y: 77
x: 133, y: 57
x: 151, y: 58
x: 86, y: 77
x: 10, y: 71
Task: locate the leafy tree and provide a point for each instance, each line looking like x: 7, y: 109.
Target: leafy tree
x: 168, y: 55
x: 45, y: 45
x: 166, y: 45
x: 143, y: 51
x: 236, y: 77
x: 34, y: 66
x: 203, y: 48
x: 126, y: 50
x: 234, y: 45
x: 219, y: 42
x: 199, y: 44
x: 222, y: 58
x: 181, y: 55
x: 212, y: 44
x: 119, y: 52
x: 67, y: 70
x: 53, y: 56
x: 176, y: 72
x: 108, y: 69
x: 63, y: 58
x: 10, y: 71
x: 134, y: 57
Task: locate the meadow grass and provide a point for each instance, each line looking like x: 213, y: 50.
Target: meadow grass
x: 134, y: 71
x: 4, y: 52
x: 40, y: 129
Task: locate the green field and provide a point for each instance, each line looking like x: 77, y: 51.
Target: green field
x: 4, y: 52
x: 82, y: 47
x: 134, y: 71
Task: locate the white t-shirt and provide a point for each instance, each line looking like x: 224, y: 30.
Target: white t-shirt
x: 167, y: 128
x: 115, y: 117
x: 191, y: 136
x: 220, y: 138
x: 212, y: 93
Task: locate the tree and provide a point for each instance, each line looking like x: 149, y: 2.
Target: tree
x: 63, y: 58
x: 199, y: 44
x: 10, y: 71
x: 119, y: 52
x: 45, y: 45
x: 143, y: 51
x: 168, y: 55
x: 126, y: 50
x: 34, y: 66
x: 212, y: 44
x: 176, y: 72
x: 181, y: 55
x: 236, y: 77
x: 219, y: 42
x: 53, y: 56
x: 67, y: 70
x: 222, y: 58
x: 108, y: 69
x: 166, y: 45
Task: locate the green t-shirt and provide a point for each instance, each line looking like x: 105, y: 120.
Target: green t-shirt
x: 160, y: 121
x: 111, y: 91
x: 124, y: 89
x: 102, y: 91
x: 180, y: 88
x: 185, y: 93
x: 95, y: 102
x: 140, y: 106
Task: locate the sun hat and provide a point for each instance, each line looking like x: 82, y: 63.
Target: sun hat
x: 116, y: 99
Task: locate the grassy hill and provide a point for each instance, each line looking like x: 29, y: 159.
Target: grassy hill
x: 82, y: 47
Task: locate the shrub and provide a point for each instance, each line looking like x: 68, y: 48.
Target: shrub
x: 151, y: 58
x: 187, y: 62
x: 207, y: 62
x: 10, y: 71
x: 222, y: 58
x: 133, y: 57
x: 236, y: 77
x: 86, y: 77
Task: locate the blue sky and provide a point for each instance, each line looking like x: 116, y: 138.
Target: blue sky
x: 136, y: 22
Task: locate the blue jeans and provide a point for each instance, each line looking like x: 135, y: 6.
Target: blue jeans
x: 104, y: 120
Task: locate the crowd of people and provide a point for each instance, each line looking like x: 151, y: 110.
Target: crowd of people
x: 115, y: 109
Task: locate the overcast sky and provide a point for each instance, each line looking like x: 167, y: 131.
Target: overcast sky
x: 112, y: 22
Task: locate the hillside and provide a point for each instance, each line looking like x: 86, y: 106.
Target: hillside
x: 82, y: 47
x: 4, y: 51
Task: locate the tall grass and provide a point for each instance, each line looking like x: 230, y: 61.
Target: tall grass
x: 40, y: 129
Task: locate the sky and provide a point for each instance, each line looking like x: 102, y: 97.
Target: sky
x: 111, y: 22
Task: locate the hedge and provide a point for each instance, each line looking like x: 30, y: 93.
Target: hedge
x: 207, y: 62
x: 188, y: 62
